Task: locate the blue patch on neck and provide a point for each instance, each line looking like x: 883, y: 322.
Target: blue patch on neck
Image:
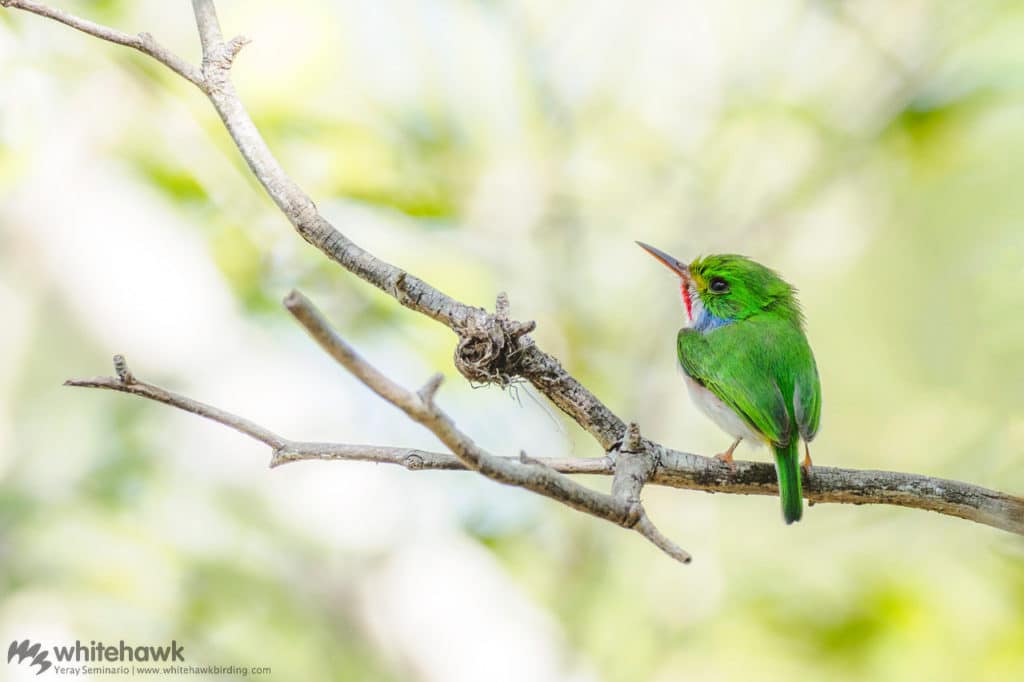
x: 707, y: 322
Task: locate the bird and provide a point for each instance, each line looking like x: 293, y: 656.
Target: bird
x: 746, y: 361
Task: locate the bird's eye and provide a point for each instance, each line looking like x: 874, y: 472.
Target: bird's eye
x: 719, y: 285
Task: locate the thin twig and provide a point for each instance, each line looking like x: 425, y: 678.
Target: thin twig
x: 147, y: 390
x: 143, y: 42
x: 286, y: 451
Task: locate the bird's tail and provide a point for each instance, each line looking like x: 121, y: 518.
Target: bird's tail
x: 787, y: 465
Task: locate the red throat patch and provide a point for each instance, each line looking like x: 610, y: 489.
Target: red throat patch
x: 684, y: 289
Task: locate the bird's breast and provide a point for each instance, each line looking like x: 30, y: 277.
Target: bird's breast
x: 720, y: 413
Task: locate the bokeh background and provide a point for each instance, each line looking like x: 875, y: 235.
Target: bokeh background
x: 871, y: 151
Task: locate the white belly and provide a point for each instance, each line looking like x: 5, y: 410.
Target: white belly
x: 722, y: 414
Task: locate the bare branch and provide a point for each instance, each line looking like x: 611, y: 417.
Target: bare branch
x: 420, y: 460
x: 675, y: 469
x: 143, y: 42
x: 310, y: 318
x: 141, y: 388
x: 420, y: 407
x: 685, y: 471
x: 493, y: 347
x: 544, y: 479
x: 650, y: 531
x: 503, y: 338
x: 287, y: 451
x: 429, y: 389
x: 634, y: 466
x: 848, y: 486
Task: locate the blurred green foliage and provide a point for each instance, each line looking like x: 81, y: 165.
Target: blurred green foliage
x: 871, y: 152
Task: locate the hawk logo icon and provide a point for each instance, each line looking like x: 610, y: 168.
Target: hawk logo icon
x: 26, y: 649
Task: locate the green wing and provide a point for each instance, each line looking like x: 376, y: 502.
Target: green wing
x: 807, y: 399
x: 758, y: 366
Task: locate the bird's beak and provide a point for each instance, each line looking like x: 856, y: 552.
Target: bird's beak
x: 673, y: 264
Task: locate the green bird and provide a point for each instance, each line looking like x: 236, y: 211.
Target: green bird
x: 746, y: 360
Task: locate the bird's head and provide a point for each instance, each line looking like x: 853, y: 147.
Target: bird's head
x: 720, y: 289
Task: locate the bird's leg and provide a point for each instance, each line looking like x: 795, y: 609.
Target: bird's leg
x: 807, y: 459
x: 727, y: 455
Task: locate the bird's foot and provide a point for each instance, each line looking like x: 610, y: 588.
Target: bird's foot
x: 807, y: 463
x: 728, y: 459
x: 726, y: 456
